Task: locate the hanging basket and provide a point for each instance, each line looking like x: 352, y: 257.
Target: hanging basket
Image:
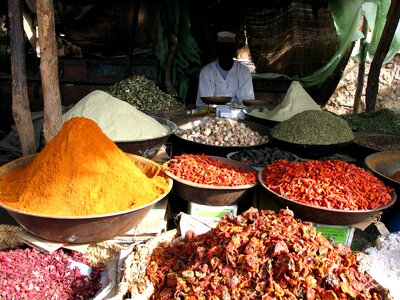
x: 294, y: 40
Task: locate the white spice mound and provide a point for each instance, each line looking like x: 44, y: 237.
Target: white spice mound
x: 118, y: 119
x: 296, y: 101
x: 383, y: 263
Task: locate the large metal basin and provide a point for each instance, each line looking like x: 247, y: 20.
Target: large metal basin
x: 182, y: 145
x: 209, y: 194
x: 323, y: 215
x: 85, y: 229
x: 148, y: 147
x: 384, y: 164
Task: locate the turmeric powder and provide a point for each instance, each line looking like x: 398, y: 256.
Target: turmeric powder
x: 80, y: 172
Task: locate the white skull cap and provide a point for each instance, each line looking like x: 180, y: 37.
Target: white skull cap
x: 226, y: 37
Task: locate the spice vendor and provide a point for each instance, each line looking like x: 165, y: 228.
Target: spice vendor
x: 225, y: 76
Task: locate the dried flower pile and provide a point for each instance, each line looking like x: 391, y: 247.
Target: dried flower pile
x: 30, y: 274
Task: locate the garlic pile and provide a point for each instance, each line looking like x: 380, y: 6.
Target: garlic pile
x: 223, y: 132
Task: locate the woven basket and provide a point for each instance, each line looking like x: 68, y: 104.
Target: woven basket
x: 295, y: 39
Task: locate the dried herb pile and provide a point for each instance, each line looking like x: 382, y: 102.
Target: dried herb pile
x: 313, y: 127
x: 144, y: 94
x: 384, y: 120
x: 258, y: 255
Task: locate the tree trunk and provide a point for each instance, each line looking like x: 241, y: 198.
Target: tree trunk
x: 49, y: 69
x: 361, y: 68
x: 20, y: 101
x: 392, y: 19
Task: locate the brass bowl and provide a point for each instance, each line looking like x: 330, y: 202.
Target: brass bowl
x: 255, y: 102
x: 384, y: 164
x: 82, y: 229
x: 324, y: 215
x: 148, y: 147
x: 210, y: 194
x: 216, y: 100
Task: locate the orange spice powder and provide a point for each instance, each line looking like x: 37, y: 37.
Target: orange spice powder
x: 80, y: 172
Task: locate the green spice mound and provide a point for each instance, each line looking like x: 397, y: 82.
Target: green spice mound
x: 313, y: 127
x: 143, y: 94
x: 384, y: 121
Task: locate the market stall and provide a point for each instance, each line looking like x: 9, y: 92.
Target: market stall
x: 137, y: 196
x: 250, y: 195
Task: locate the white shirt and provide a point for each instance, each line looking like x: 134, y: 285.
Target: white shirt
x: 238, y: 83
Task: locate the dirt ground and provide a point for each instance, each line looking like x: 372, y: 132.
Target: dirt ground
x: 342, y: 99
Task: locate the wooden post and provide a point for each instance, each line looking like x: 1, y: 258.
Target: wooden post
x: 49, y: 69
x: 392, y: 19
x: 20, y: 100
x: 361, y: 68
x: 134, y: 21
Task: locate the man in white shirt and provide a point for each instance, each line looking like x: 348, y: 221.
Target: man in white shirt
x: 225, y: 76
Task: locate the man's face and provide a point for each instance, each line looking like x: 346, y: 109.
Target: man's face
x: 226, y: 51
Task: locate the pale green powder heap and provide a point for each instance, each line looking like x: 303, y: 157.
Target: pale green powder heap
x: 296, y: 101
x: 119, y: 120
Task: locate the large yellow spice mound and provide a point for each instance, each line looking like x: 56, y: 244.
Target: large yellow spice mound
x: 80, y: 172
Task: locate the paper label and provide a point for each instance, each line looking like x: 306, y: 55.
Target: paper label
x: 338, y: 234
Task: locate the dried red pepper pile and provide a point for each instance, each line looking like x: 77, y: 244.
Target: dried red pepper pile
x: 202, y: 169
x: 30, y: 274
x: 330, y: 183
x: 258, y: 255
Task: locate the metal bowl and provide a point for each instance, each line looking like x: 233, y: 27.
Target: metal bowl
x: 85, y: 229
x: 384, y: 164
x: 148, y: 147
x: 255, y: 102
x: 323, y: 215
x: 210, y: 194
x: 310, y: 151
x: 367, y: 142
x: 216, y: 100
x: 252, y: 117
x: 181, y: 145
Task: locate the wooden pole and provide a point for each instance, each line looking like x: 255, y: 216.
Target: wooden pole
x: 49, y: 69
x: 392, y: 19
x: 20, y: 100
x: 134, y: 21
x: 361, y: 68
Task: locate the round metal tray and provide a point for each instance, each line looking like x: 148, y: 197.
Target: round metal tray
x: 216, y: 100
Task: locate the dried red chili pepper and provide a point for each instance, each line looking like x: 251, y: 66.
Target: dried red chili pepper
x: 331, y: 183
x: 202, y: 169
x: 259, y: 255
